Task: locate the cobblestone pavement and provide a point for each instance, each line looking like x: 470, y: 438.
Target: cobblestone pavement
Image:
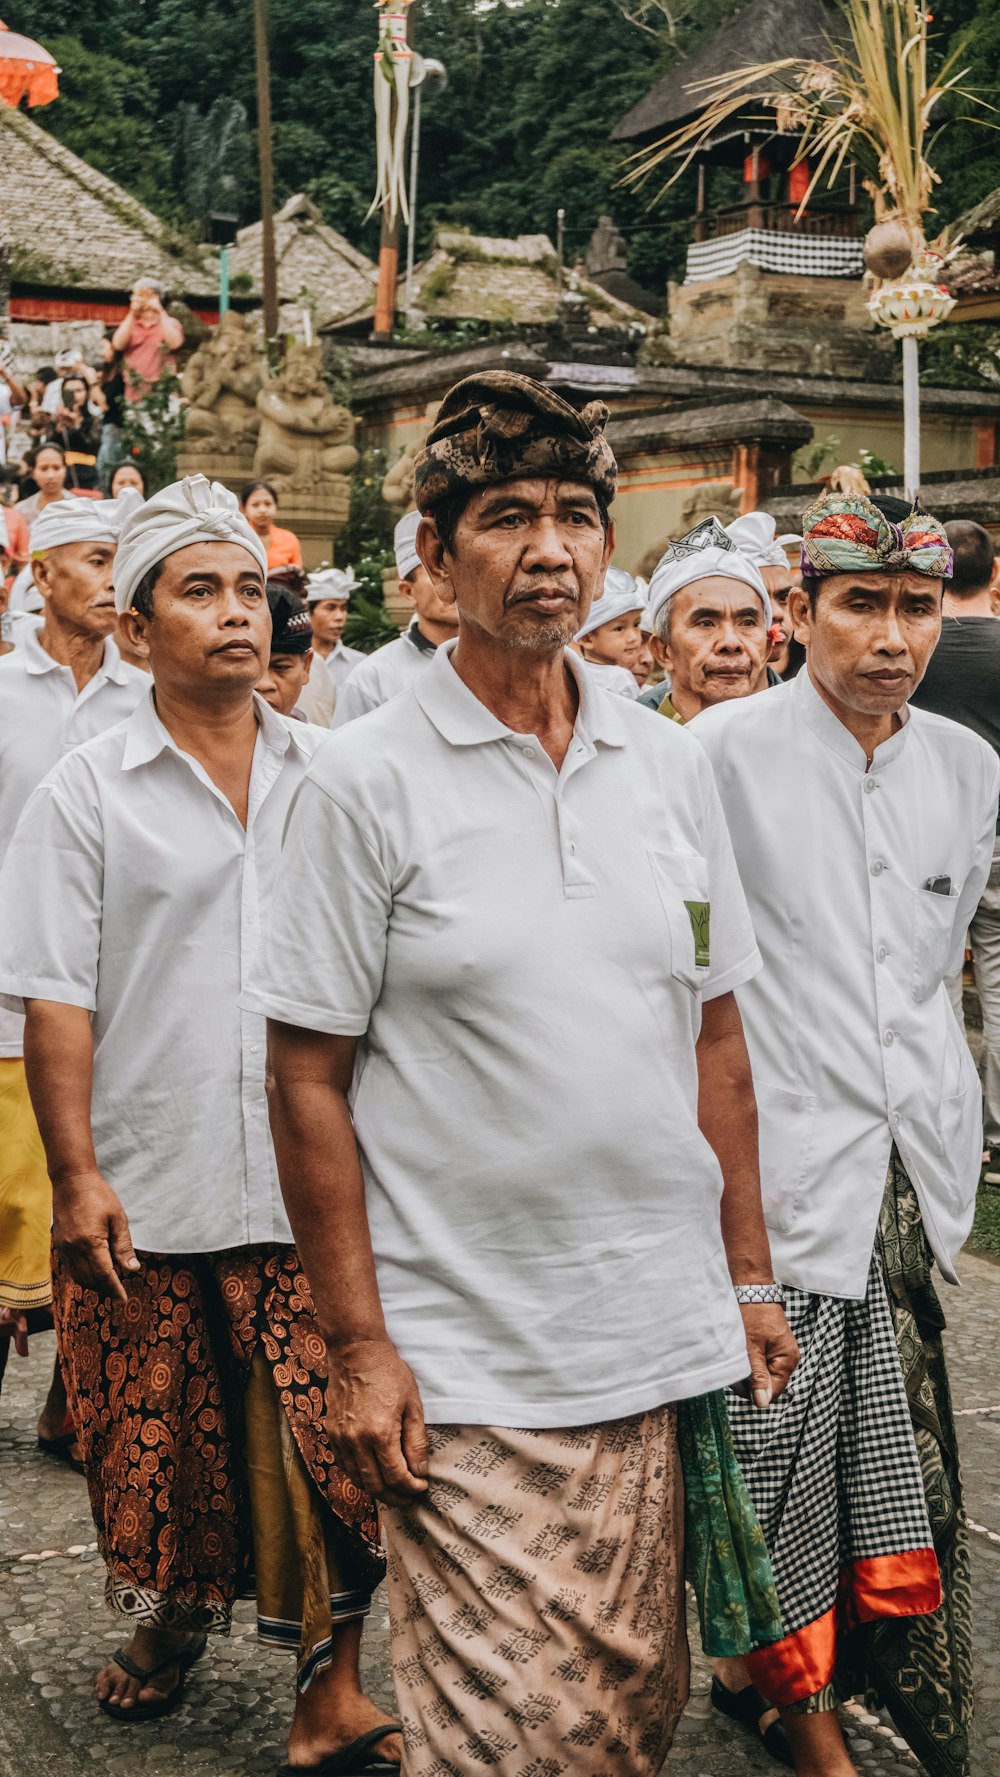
x: 54, y: 1629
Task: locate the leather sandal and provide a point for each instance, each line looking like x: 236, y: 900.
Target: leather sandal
x: 748, y: 1707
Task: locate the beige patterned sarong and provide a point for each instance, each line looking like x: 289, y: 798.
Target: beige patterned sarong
x: 537, y: 1602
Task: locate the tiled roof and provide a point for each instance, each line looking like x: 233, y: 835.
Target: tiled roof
x: 65, y: 223
x: 312, y: 258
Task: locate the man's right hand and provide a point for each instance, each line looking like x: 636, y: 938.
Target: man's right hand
x: 376, y: 1420
x: 90, y: 1232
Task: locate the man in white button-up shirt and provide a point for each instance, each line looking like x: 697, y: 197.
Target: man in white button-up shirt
x: 863, y: 861
x: 131, y: 904
x: 64, y: 683
x: 517, y: 885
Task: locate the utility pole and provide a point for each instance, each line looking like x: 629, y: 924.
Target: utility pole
x: 269, y: 269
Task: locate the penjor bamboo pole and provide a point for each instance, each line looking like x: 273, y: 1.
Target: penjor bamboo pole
x: 269, y: 267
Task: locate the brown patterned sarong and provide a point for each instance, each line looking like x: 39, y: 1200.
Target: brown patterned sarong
x: 537, y: 1601
x: 199, y: 1404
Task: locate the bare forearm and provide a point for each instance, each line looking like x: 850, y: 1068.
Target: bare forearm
x: 323, y: 1188
x: 727, y: 1115
x: 122, y: 333
x: 59, y: 1064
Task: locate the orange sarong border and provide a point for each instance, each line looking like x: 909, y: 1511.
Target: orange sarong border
x: 878, y: 1586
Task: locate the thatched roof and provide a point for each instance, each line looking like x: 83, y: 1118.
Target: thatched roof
x: 982, y: 222
x: 316, y: 265
x: 764, y: 31
x: 65, y: 224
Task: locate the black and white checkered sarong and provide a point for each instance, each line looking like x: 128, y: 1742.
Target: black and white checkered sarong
x: 832, y: 1468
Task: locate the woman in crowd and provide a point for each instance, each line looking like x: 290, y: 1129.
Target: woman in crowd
x: 78, y: 430
x: 112, y: 387
x: 47, y: 466
x: 260, y: 508
x: 127, y: 474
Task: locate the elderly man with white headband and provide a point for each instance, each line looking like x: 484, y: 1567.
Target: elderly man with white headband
x: 131, y: 906
x: 394, y: 668
x: 755, y: 533
x: 711, y: 613
x: 64, y: 683
x: 611, y: 639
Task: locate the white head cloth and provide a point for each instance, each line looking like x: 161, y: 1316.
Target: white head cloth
x: 190, y: 511
x: 622, y: 594
x: 754, y: 536
x: 330, y: 583
x: 706, y: 552
x: 405, y: 543
x: 76, y: 520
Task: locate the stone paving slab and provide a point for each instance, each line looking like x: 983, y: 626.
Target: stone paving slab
x: 54, y: 1629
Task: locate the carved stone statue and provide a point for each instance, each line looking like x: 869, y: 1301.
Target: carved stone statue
x: 397, y: 488
x: 305, y: 446
x: 221, y: 381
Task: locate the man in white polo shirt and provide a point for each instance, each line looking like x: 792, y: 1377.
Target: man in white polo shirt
x: 63, y: 683
x: 131, y: 903
x: 391, y: 669
x: 517, y: 882
x: 863, y: 860
x: 328, y: 595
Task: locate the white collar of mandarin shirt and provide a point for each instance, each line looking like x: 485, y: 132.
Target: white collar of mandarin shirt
x: 38, y: 660
x: 464, y: 721
x: 146, y: 737
x: 827, y: 727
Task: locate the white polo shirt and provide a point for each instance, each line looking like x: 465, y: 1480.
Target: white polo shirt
x: 516, y: 948
x: 852, y: 1037
x: 43, y: 716
x: 383, y: 675
x: 131, y: 889
x: 318, y: 698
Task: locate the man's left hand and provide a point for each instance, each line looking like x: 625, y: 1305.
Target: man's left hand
x: 771, y: 1349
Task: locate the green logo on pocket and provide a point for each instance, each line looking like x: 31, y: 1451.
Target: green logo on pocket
x: 699, y: 914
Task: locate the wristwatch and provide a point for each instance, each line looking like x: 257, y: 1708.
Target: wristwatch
x: 759, y: 1293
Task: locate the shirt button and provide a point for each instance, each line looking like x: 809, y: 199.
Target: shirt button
x: 255, y: 1047
x: 870, y: 785
x: 878, y: 867
x: 881, y: 954
x: 529, y: 752
x: 888, y: 1038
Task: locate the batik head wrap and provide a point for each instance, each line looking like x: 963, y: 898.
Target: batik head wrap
x: 499, y: 426
x: 705, y: 553
x: 291, y: 630
x: 850, y: 534
x: 190, y: 511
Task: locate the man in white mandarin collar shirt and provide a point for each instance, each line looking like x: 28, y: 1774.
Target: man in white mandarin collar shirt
x: 863, y: 864
x: 517, y: 882
x: 131, y: 905
x: 63, y: 684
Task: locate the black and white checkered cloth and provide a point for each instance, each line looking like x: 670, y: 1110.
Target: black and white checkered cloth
x: 832, y: 1468
x: 802, y: 255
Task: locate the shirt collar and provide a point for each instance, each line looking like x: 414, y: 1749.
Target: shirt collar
x: 828, y: 728
x: 146, y: 737
x: 462, y: 719
x: 38, y: 660
x: 415, y: 634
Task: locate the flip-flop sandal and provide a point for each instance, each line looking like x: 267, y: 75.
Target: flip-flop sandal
x: 746, y: 1707
x: 357, y: 1760
x: 184, y: 1657
x: 61, y: 1449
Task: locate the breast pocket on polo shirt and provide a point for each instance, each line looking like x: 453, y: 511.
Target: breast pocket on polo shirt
x: 933, y: 933
x: 681, y: 880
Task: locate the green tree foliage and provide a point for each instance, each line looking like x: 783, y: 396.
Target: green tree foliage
x: 522, y: 129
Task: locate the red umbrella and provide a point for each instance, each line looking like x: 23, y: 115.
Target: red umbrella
x: 27, y: 71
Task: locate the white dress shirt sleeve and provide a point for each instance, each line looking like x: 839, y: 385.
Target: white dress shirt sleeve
x: 972, y: 888
x: 352, y: 701
x: 321, y: 963
x: 51, y: 893
x: 732, y: 944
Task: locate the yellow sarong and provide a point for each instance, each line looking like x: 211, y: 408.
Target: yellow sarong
x: 25, y: 1197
